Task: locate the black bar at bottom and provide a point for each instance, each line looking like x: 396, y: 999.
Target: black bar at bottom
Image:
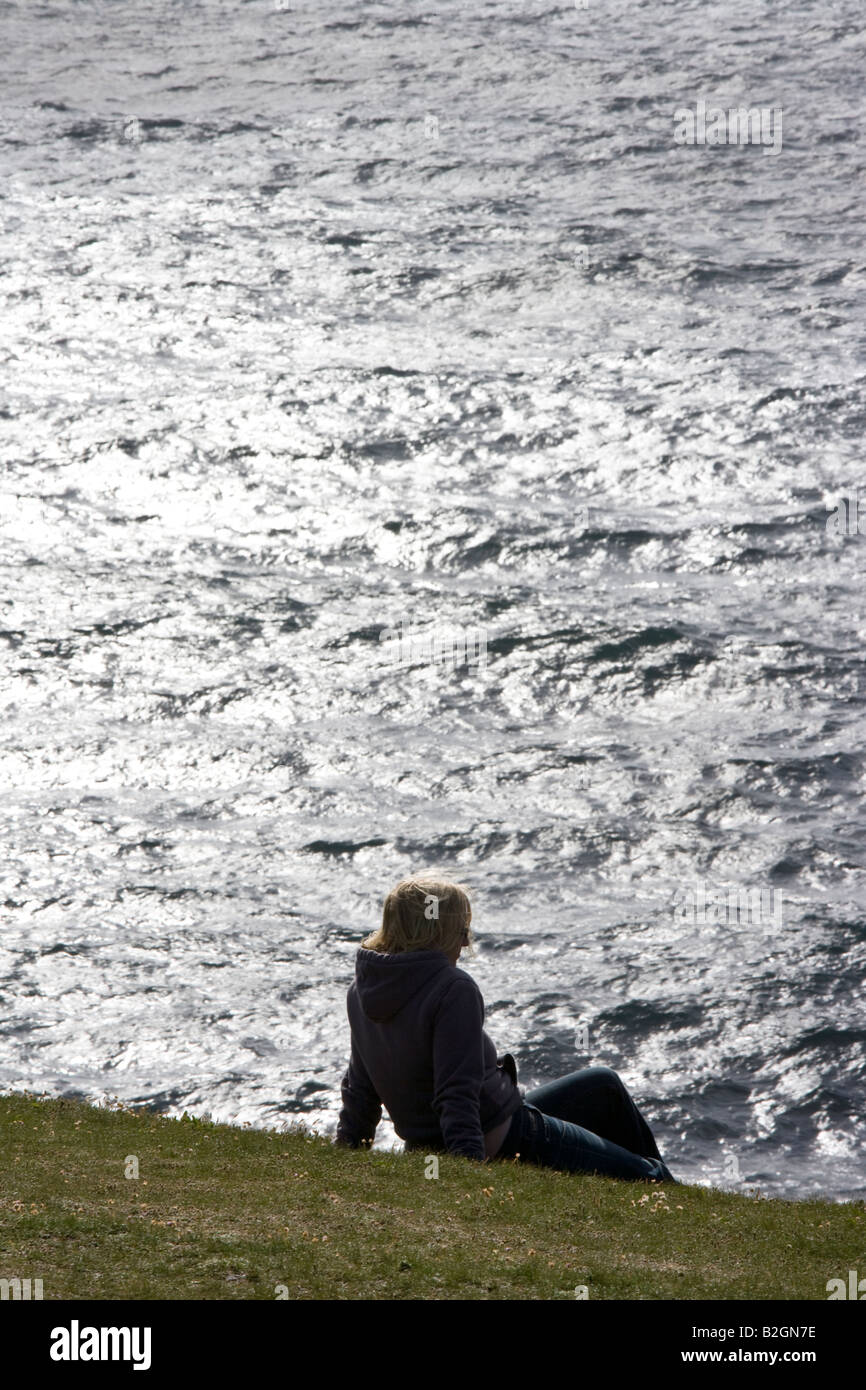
x: 243, y: 1336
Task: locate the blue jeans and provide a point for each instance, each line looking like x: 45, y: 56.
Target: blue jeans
x: 585, y: 1122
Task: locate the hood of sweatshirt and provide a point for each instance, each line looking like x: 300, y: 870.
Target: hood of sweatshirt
x: 385, y: 982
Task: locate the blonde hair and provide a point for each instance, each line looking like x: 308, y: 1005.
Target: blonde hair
x: 424, y: 913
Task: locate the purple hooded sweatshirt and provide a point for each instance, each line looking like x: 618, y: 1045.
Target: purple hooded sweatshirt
x: 419, y: 1048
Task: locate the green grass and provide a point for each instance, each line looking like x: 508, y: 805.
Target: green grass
x: 221, y: 1212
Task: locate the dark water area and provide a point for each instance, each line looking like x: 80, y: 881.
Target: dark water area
x: 323, y: 319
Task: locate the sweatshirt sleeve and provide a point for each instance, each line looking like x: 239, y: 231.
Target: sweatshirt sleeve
x: 362, y: 1108
x: 458, y: 1068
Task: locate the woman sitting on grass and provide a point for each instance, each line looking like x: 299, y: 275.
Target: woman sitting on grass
x: 419, y: 1048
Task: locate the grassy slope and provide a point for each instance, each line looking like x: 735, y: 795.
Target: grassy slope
x: 224, y: 1212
